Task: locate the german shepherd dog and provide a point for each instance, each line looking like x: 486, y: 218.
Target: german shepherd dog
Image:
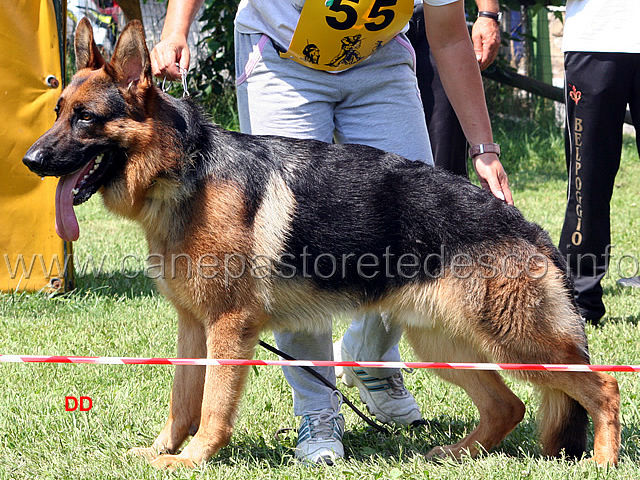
x: 326, y: 229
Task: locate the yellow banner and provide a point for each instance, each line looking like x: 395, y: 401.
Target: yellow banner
x: 32, y: 256
x: 334, y: 35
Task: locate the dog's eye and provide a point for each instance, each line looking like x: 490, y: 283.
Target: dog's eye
x: 85, y: 116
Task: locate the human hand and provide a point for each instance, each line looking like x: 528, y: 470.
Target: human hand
x: 170, y: 56
x: 492, y: 176
x: 485, y: 35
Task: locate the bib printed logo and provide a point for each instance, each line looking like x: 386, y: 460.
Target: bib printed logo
x: 336, y: 34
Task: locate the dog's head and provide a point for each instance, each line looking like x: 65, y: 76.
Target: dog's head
x: 97, y: 117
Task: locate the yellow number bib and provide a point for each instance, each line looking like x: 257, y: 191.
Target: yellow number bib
x: 334, y: 35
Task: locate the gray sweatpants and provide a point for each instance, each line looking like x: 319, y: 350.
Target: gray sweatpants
x: 375, y: 103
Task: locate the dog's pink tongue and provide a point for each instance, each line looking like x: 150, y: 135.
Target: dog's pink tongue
x: 66, y: 222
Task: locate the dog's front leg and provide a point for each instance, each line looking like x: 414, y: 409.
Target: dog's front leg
x: 186, y: 394
x: 231, y: 335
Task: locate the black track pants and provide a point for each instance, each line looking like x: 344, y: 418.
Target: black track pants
x: 598, y: 88
x: 448, y: 143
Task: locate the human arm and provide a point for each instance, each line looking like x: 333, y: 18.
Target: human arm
x: 173, y: 48
x: 485, y: 34
x: 458, y: 67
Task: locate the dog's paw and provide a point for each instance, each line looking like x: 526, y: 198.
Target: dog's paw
x: 148, y: 453
x: 171, y: 462
x: 447, y: 452
x: 600, y: 462
x: 437, y: 453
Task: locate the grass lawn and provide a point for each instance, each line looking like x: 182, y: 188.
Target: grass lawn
x: 116, y: 311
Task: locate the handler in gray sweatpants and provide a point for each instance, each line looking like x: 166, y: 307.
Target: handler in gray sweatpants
x: 368, y: 104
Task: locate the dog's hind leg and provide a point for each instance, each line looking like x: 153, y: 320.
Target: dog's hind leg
x: 598, y: 393
x: 551, y: 332
x: 186, y: 395
x: 231, y: 335
x: 563, y: 419
x: 499, y: 408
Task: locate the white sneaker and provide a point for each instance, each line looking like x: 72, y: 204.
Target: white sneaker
x: 386, y: 398
x: 630, y: 282
x: 320, y: 435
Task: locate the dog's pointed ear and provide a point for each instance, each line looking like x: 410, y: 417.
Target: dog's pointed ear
x: 87, y: 53
x: 130, y: 58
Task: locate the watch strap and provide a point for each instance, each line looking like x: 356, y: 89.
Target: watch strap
x: 481, y: 148
x: 497, y: 16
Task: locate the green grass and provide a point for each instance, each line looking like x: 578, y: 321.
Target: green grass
x: 110, y: 314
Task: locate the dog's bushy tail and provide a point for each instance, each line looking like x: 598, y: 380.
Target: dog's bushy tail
x: 563, y: 424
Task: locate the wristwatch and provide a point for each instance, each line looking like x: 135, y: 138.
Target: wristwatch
x: 497, y: 16
x: 481, y: 148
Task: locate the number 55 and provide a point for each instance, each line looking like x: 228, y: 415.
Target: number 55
x: 379, y: 9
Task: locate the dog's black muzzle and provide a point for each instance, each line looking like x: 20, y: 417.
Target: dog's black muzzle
x: 56, y: 155
x: 34, y: 159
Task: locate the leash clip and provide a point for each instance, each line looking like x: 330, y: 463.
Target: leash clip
x: 183, y: 79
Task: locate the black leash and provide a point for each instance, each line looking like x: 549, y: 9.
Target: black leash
x: 310, y: 370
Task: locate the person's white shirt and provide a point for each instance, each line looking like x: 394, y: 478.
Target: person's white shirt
x: 278, y: 20
x: 602, y: 26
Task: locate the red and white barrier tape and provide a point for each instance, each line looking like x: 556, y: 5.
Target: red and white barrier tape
x: 316, y: 363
